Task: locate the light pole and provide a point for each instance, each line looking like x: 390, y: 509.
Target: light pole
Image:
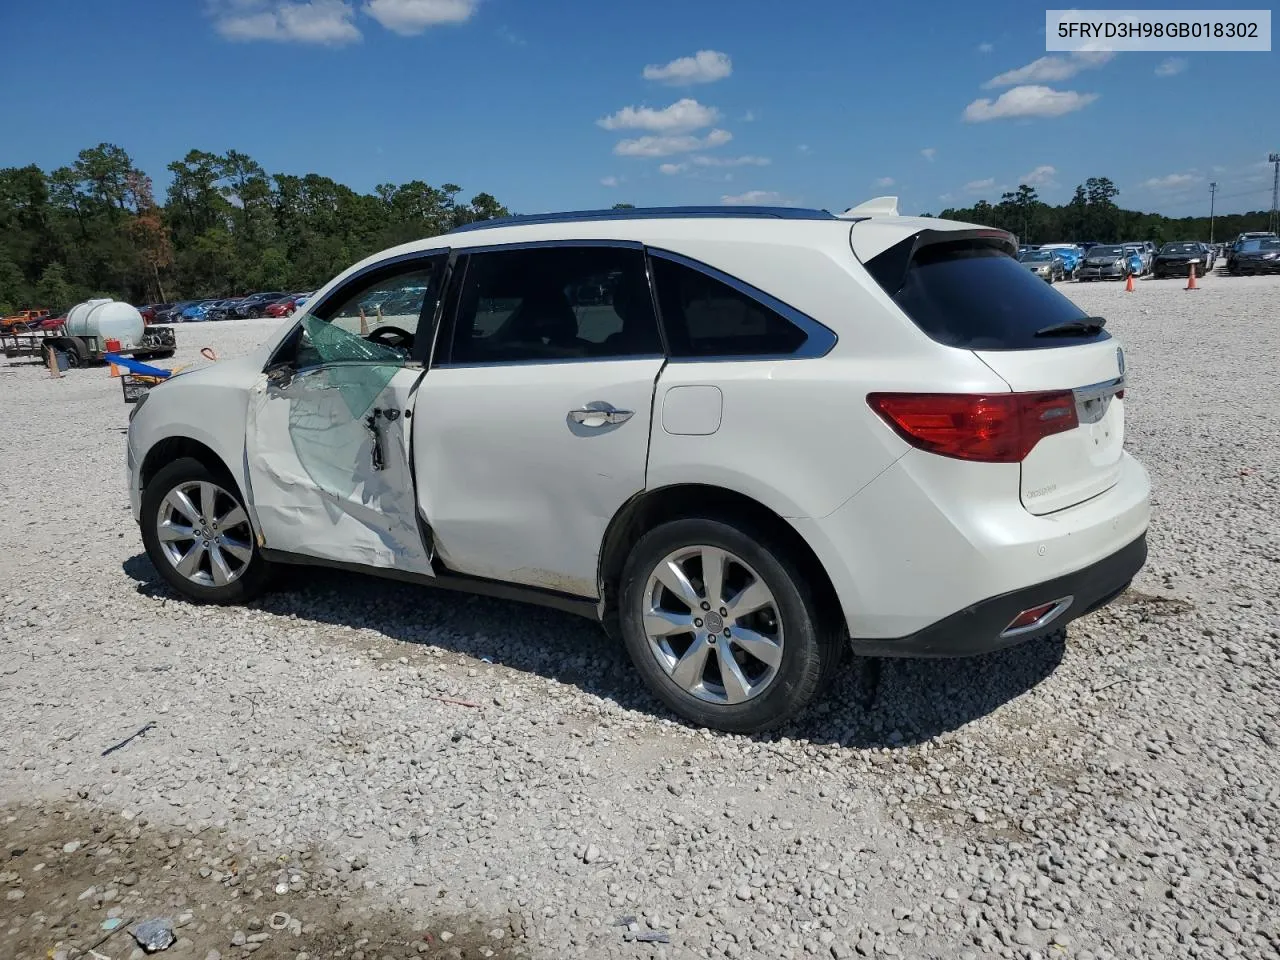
x: 1213, y: 189
x: 1274, y: 222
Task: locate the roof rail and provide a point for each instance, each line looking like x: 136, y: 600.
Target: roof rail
x: 651, y: 213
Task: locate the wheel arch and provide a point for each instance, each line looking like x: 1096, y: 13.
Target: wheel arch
x: 168, y: 449
x: 647, y: 510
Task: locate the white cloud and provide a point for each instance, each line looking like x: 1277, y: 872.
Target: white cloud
x: 665, y: 146
x: 985, y: 47
x: 671, y: 169
x: 802, y: 148
x: 884, y: 182
x: 1050, y: 69
x: 744, y: 161
x: 1031, y: 101
x: 686, y: 114
x: 977, y: 186
x: 1041, y: 176
x: 513, y: 38
x: 929, y: 153
x: 944, y: 197
x: 1171, y: 67
x: 705, y: 66
x: 1173, y: 181
x: 325, y: 22
x: 749, y: 116
x: 409, y: 17
x: 752, y: 197
x: 608, y: 181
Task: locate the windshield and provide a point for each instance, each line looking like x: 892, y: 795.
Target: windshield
x: 1036, y: 256
x: 1180, y: 248
x: 1107, y: 252
x: 1252, y: 246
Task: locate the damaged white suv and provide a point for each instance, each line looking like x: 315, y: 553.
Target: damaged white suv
x: 748, y: 440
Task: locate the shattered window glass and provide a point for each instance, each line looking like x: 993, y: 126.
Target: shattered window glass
x: 355, y: 367
x: 395, y: 301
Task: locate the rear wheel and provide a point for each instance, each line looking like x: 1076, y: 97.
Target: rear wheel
x: 197, y: 533
x: 723, y: 626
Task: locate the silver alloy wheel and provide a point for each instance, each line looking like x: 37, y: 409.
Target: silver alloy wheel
x: 204, y: 533
x: 713, y: 625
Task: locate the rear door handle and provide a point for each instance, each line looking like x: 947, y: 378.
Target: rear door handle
x: 590, y: 417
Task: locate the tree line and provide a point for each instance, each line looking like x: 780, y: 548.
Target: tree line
x: 1093, y: 215
x: 226, y: 227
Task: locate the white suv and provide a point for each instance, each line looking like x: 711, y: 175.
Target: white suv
x: 746, y: 440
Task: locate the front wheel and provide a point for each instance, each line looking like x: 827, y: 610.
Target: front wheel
x: 723, y: 626
x: 197, y: 533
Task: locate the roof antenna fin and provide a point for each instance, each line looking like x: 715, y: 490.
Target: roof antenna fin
x: 875, y: 207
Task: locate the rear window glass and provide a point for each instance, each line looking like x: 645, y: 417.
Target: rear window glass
x: 975, y: 296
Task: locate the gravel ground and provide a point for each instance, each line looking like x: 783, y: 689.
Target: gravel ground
x: 473, y: 767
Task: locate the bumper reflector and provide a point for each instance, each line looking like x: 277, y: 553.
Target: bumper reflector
x: 1036, y: 617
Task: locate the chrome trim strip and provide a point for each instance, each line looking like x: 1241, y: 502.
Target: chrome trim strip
x: 540, y: 244
x: 1092, y: 401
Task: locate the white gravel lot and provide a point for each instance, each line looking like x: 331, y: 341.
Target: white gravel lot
x: 1117, y: 796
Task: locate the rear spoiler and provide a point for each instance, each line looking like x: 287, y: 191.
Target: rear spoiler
x: 889, y: 268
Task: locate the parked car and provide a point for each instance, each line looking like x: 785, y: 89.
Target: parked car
x: 1256, y: 255
x: 1144, y: 263
x: 174, y: 313
x: 222, y: 309
x: 284, y: 307
x: 151, y: 310
x: 1109, y: 262
x: 1070, y: 253
x: 301, y: 299
x: 658, y: 467
x: 1175, y: 259
x: 196, y: 312
x: 255, y: 305
x: 1048, y: 265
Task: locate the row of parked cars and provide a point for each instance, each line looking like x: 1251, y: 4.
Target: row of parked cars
x: 1116, y: 261
x: 1249, y: 253
x: 271, y: 303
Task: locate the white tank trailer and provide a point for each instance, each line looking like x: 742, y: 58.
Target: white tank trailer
x: 96, y: 327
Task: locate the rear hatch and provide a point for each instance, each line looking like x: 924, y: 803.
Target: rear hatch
x: 965, y: 289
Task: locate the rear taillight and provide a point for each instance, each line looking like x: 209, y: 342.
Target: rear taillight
x: 990, y: 428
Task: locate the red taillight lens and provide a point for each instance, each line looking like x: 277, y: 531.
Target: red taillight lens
x: 990, y: 428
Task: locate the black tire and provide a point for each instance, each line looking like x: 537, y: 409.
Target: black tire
x: 813, y: 646
x: 256, y: 574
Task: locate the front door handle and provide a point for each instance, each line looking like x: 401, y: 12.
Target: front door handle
x: 590, y: 417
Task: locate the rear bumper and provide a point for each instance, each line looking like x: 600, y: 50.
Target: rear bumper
x: 980, y: 628
x: 931, y: 538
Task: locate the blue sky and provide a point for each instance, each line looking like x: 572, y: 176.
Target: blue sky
x: 583, y: 103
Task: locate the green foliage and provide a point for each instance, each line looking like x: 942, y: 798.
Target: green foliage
x: 226, y: 227
x: 1092, y: 214
x: 53, y: 291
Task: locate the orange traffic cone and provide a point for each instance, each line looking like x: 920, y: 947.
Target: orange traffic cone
x: 115, y: 371
x: 1128, y: 284
x: 1191, y: 277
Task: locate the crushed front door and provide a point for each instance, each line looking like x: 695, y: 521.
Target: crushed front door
x: 327, y: 449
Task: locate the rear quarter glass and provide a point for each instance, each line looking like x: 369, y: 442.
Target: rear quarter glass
x: 973, y: 295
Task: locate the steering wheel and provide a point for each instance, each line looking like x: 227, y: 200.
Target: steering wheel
x: 396, y: 338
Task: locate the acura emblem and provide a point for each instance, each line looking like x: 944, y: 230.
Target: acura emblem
x: 1120, y: 359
